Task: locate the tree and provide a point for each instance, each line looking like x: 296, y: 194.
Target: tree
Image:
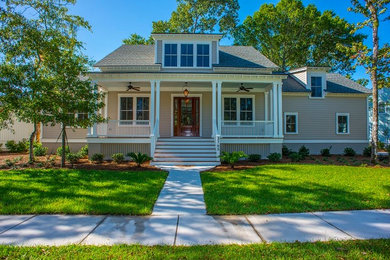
x: 293, y: 35
x: 201, y: 16
x: 376, y: 60
x: 136, y: 39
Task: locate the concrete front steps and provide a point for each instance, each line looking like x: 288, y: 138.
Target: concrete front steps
x: 185, y: 151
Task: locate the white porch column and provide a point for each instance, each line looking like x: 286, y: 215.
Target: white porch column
x: 275, y: 108
x: 152, y: 107
x: 265, y: 106
x: 219, y: 96
x: 214, y: 107
x: 105, y: 105
x: 280, y: 111
x: 158, y: 107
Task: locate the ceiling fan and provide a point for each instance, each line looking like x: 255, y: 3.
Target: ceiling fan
x: 242, y: 88
x: 131, y: 87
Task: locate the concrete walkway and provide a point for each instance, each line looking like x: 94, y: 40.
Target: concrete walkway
x: 179, y: 219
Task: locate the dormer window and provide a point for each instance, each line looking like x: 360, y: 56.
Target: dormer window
x: 316, y: 87
x: 203, y: 55
x: 170, y: 58
x: 187, y: 55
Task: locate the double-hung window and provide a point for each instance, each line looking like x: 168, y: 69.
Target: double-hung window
x: 203, y: 55
x: 238, y: 109
x: 170, y: 55
x: 290, y: 123
x: 342, y: 123
x: 316, y: 86
x: 187, y: 55
x: 382, y: 107
x: 134, y: 108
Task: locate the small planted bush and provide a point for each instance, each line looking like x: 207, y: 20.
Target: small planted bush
x: 326, y: 151
x: 367, y: 151
x: 97, y: 157
x: 139, y: 158
x: 19, y: 147
x: 274, y: 157
x: 118, y: 157
x: 348, y: 151
x: 59, y: 150
x: 73, y: 158
x: 304, y: 152
x: 39, y: 149
x: 254, y: 157
x: 285, y: 151
x: 295, y: 157
x: 84, y: 151
x: 232, y: 158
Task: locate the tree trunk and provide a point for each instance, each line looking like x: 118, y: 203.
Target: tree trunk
x: 32, y: 136
x: 375, y: 43
x: 63, y: 131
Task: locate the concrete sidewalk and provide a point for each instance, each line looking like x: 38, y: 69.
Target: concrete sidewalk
x: 196, y: 229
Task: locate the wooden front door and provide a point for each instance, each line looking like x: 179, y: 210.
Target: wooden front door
x: 186, y: 116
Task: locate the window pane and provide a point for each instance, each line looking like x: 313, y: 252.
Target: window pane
x: 187, y: 55
x: 291, y: 124
x: 203, y: 55
x: 142, y: 112
x: 170, y: 56
x: 342, y: 124
x: 316, y: 91
x: 246, y: 109
x: 316, y: 81
x: 126, y: 108
x: 230, y: 109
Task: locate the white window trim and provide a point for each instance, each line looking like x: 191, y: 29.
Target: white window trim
x: 337, y: 123
x: 238, y: 109
x: 195, y: 44
x: 296, y: 122
x: 134, y: 96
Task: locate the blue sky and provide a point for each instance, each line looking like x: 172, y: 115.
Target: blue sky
x: 114, y: 20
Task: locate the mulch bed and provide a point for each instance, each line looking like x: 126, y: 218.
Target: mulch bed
x: 357, y: 160
x: 41, y: 162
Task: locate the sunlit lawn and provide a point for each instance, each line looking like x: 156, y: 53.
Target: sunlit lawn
x: 79, y: 191
x: 368, y: 249
x: 296, y: 188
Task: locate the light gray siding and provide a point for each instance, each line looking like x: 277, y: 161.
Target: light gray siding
x: 159, y: 51
x: 214, y: 52
x: 317, y: 117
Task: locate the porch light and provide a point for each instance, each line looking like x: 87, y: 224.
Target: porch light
x: 186, y: 92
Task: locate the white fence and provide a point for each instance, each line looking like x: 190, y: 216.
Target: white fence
x: 247, y: 129
x: 124, y: 128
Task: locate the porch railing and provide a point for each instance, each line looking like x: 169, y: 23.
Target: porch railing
x: 247, y: 129
x: 124, y: 128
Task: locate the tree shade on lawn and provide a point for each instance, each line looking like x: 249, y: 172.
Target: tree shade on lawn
x: 285, y: 188
x: 52, y: 191
x: 366, y: 249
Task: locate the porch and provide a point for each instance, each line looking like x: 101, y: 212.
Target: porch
x: 190, y: 108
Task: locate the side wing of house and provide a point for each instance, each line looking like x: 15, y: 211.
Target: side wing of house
x: 51, y: 137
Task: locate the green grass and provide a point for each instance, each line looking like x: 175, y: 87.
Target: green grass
x: 66, y: 191
x: 296, y: 188
x: 368, y: 249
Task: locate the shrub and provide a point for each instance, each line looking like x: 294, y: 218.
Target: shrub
x: 118, y: 157
x: 254, y: 157
x: 349, y: 151
x: 274, y: 157
x: 84, y: 151
x: 12, y: 163
x: 50, y: 161
x: 19, y: 147
x: 232, y: 158
x: 285, y: 151
x: 381, y: 145
x: 73, y: 158
x: 326, y: 151
x: 1, y: 147
x: 304, y: 152
x: 39, y: 150
x: 139, y: 158
x: 367, y: 151
x: 295, y: 157
x: 97, y: 157
x: 59, y: 150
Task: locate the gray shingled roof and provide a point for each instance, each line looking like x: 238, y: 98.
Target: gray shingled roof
x: 129, y: 55
x: 336, y: 83
x: 230, y: 56
x: 243, y: 56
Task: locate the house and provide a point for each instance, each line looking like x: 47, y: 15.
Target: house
x: 186, y: 99
x: 384, y: 115
x: 17, y: 132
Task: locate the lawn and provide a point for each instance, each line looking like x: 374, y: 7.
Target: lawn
x: 296, y: 188
x: 34, y: 191
x: 367, y: 249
